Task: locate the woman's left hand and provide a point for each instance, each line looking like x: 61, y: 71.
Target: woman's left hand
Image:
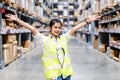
x: 93, y: 18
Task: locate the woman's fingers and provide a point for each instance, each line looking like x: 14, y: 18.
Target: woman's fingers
x: 98, y: 17
x: 8, y: 15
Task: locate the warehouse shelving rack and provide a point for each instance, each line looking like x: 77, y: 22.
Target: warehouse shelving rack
x: 87, y: 33
x: 22, y: 34
x: 112, y: 30
x: 66, y: 15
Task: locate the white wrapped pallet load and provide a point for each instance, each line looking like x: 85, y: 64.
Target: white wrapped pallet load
x: 71, y: 7
x: 65, y: 13
x: 60, y: 7
x: 55, y: 14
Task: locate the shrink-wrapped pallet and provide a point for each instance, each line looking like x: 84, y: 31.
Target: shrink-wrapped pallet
x: 60, y: 7
x: 71, y: 7
x: 65, y: 13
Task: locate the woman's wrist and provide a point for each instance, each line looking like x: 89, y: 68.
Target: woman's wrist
x: 17, y: 19
x: 87, y: 21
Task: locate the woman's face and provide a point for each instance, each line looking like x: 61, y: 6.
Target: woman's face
x: 56, y: 29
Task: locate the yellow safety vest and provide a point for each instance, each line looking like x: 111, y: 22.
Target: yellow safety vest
x: 52, y: 66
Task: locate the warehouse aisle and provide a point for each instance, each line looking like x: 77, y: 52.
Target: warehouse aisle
x: 88, y: 64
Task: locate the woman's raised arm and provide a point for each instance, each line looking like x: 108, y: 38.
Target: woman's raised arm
x: 26, y: 25
x: 82, y: 24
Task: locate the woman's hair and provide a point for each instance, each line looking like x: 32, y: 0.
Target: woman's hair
x: 53, y: 21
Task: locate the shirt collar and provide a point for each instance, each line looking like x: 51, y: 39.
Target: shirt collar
x: 51, y: 36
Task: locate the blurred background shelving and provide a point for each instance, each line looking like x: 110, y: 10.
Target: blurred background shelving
x: 102, y: 35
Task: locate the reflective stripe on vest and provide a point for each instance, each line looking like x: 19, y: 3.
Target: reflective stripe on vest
x: 56, y: 67
x: 52, y: 66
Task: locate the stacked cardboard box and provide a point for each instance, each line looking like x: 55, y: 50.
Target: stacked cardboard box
x: 102, y: 48
x: 26, y: 46
x: 115, y: 55
x: 76, y: 13
x: 9, y: 48
x: 25, y: 5
x: 95, y: 41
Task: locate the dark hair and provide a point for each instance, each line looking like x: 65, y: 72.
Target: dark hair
x: 53, y: 21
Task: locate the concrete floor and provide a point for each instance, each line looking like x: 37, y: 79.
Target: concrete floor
x: 88, y: 64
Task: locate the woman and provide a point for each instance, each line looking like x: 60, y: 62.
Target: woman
x: 56, y: 60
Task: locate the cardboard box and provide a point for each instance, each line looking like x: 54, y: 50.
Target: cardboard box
x: 15, y: 49
x: 9, y: 38
x: 5, y: 53
x: 11, y: 56
x: 26, y: 44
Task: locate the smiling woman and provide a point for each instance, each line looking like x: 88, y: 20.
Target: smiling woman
x: 56, y: 60
x: 55, y: 27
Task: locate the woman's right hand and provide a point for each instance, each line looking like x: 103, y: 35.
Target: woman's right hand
x: 12, y: 17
